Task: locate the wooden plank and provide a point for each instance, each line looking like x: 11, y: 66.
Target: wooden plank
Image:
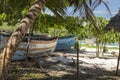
x: 34, y: 49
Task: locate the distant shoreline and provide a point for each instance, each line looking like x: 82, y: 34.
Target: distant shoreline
x: 93, y: 43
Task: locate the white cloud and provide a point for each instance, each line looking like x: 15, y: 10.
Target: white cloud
x: 100, y: 12
x: 114, y: 12
x: 105, y: 12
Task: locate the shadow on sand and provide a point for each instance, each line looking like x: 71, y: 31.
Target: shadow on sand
x: 20, y: 71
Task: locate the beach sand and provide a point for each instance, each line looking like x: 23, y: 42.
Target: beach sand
x: 61, y: 65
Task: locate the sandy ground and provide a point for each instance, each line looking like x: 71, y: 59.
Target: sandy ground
x: 61, y: 65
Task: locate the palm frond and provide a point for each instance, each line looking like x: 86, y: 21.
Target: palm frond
x: 91, y: 17
x: 85, y: 9
x: 106, y: 6
x: 10, y: 6
x: 57, y: 7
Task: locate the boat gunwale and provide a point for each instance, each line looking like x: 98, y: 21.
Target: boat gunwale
x: 34, y: 49
x: 43, y: 41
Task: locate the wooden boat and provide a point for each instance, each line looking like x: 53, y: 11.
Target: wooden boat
x: 38, y: 45
x: 65, y: 43
x: 19, y: 56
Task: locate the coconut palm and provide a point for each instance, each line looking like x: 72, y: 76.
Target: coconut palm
x: 85, y: 7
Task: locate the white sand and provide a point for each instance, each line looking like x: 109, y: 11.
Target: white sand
x: 88, y: 59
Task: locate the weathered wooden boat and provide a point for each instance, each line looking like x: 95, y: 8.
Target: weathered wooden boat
x: 19, y: 54
x: 38, y: 45
x: 65, y: 43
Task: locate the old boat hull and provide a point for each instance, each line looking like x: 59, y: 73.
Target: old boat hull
x: 19, y: 56
x: 38, y: 45
x: 65, y: 43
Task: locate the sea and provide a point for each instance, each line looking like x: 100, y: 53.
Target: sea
x: 93, y: 43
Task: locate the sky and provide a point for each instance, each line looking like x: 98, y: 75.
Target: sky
x: 114, y: 6
x: 101, y: 10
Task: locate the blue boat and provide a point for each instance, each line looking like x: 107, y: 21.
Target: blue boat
x: 65, y: 43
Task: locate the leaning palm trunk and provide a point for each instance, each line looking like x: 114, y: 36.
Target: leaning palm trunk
x: 17, y: 36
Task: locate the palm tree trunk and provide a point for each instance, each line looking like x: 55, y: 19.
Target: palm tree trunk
x: 104, y: 47
x: 101, y: 47
x: 118, y: 60
x: 17, y: 36
x: 97, y: 47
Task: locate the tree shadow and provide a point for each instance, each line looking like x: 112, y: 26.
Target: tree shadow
x: 20, y: 71
x: 85, y: 73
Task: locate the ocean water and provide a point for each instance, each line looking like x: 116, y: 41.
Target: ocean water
x: 110, y: 44
x: 113, y: 44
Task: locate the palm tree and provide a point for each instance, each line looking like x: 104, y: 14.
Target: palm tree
x: 17, y: 36
x: 57, y: 6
